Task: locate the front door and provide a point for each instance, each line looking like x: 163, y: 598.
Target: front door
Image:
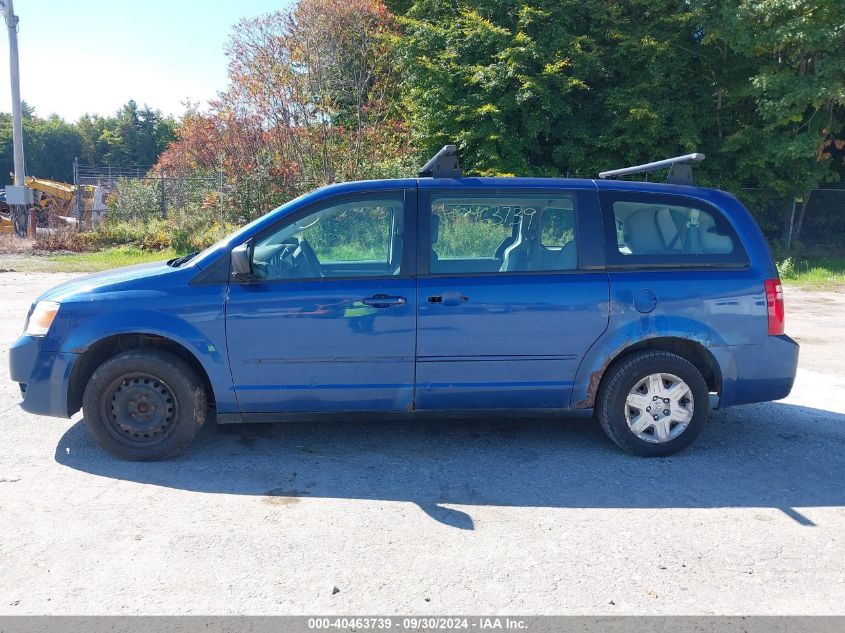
x: 513, y: 296
x: 327, y: 322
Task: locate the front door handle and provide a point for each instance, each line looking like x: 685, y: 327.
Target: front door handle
x: 384, y: 301
x: 448, y: 298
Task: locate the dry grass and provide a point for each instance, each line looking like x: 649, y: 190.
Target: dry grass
x: 12, y: 245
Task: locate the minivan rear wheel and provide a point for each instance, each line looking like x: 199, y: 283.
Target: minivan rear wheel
x: 653, y: 403
x: 144, y: 404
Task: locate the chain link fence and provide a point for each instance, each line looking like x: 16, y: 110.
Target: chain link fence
x: 814, y: 222
x: 137, y: 193
x: 142, y: 193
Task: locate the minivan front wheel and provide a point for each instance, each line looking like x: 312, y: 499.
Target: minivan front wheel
x: 144, y: 404
x: 653, y: 403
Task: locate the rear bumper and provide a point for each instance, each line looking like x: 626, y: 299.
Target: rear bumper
x: 757, y: 373
x: 43, y: 377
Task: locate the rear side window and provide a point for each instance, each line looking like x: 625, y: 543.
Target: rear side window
x: 662, y: 230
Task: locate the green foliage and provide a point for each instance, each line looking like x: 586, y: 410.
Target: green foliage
x: 352, y: 234
x: 463, y: 237
x: 786, y: 268
x: 556, y: 87
x: 186, y: 239
x: 98, y: 260
x: 550, y: 87
x: 557, y: 228
x: 132, y: 136
x: 471, y: 230
x: 135, y: 200
x: 191, y: 230
x: 50, y: 145
x: 325, y: 91
x: 82, y: 262
x: 149, y: 236
x: 779, y: 72
x: 824, y: 272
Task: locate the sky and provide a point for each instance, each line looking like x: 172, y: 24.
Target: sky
x: 92, y: 56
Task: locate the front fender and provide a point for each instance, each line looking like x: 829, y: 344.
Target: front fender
x: 197, y: 324
x: 617, y: 339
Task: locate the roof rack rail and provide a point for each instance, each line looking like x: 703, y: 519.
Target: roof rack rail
x: 444, y: 164
x: 680, y: 172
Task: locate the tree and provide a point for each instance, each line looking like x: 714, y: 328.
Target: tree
x: 133, y: 136
x: 558, y: 86
x: 6, y: 150
x: 787, y: 108
x: 312, y: 98
x: 546, y: 86
x: 319, y: 78
x: 50, y: 146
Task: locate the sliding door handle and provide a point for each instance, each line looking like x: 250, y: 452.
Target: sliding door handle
x: 384, y: 301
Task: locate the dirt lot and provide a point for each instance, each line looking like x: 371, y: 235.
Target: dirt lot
x: 486, y: 517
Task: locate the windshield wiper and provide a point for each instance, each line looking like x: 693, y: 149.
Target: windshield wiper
x: 178, y: 261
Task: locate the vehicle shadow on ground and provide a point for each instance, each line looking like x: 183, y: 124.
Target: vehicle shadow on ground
x: 770, y: 455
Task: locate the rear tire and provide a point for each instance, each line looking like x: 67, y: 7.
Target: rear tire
x: 653, y: 403
x: 144, y: 404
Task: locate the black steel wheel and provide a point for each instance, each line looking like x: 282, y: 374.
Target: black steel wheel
x: 139, y: 409
x: 144, y: 404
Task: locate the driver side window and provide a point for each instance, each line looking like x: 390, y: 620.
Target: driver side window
x: 360, y: 238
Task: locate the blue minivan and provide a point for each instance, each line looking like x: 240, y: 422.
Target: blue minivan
x: 640, y: 304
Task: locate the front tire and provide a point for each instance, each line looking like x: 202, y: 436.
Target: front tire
x: 653, y: 403
x: 144, y: 404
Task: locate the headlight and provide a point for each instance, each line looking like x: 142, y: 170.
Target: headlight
x: 41, y: 318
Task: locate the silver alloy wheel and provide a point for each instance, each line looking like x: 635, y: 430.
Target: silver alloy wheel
x: 659, y: 408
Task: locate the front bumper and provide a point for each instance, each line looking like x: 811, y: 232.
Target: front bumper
x: 757, y: 373
x: 44, y: 377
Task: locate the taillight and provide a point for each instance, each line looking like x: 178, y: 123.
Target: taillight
x: 774, y: 306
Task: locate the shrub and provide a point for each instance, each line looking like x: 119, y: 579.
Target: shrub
x: 150, y: 236
x: 61, y: 238
x: 786, y: 268
x: 185, y: 240
x: 191, y: 228
x: 196, y: 227
x: 135, y: 200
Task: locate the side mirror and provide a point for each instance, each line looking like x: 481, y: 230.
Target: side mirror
x: 241, y: 265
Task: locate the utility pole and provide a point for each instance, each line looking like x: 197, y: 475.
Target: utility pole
x: 19, y: 210
x: 14, y: 72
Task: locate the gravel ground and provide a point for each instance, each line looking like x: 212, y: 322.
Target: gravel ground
x: 464, y: 518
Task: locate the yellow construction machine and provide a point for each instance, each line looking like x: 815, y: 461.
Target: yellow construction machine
x: 7, y: 225
x: 56, y: 202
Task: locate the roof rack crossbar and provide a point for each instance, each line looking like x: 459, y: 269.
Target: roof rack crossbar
x: 444, y: 164
x: 680, y: 172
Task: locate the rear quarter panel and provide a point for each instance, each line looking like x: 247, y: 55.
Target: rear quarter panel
x: 722, y: 309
